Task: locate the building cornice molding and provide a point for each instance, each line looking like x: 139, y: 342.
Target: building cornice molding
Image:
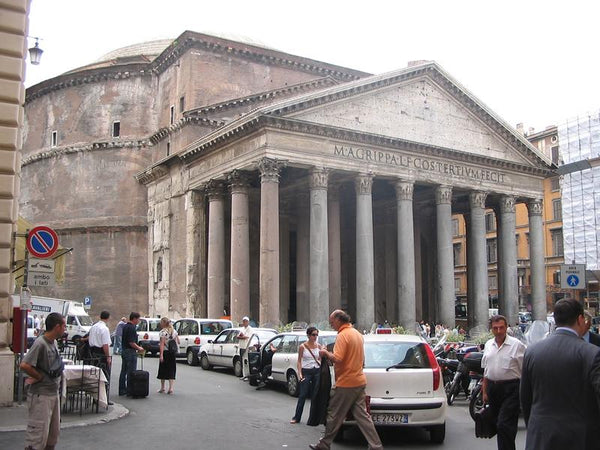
x: 165, y: 132
x: 66, y: 150
x: 173, y: 52
x: 285, y: 124
x: 152, y: 174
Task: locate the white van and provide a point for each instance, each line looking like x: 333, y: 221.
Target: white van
x: 77, y: 318
x: 148, y: 330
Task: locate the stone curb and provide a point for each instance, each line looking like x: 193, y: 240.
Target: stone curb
x: 115, y: 412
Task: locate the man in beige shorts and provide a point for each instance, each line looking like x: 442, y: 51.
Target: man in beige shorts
x: 44, y: 365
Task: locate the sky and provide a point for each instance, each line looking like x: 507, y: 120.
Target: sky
x: 532, y: 62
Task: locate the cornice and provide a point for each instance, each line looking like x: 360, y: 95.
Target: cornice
x: 190, y: 39
x: 152, y: 174
x: 262, y: 96
x: 61, y: 151
x: 343, y: 134
x: 164, y: 132
x: 87, y: 76
x: 173, y: 52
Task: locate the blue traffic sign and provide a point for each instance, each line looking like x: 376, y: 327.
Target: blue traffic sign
x: 573, y: 280
x: 42, y: 242
x: 87, y: 301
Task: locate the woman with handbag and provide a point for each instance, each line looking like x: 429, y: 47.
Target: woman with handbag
x: 309, y: 367
x: 169, y: 342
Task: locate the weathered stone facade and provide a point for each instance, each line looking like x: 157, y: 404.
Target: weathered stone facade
x: 79, y: 178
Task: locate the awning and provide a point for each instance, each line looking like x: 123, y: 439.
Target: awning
x: 19, y: 255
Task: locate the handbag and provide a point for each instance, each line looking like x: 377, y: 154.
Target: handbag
x: 485, y: 423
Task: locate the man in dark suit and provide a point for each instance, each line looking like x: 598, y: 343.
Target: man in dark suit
x: 589, y: 335
x: 560, y: 386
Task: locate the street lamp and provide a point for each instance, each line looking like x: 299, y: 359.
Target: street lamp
x: 35, y: 53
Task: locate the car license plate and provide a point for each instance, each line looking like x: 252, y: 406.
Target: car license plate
x: 389, y: 419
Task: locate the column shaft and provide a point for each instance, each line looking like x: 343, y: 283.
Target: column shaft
x: 240, y: 247
x: 319, y: 247
x: 507, y: 267
x: 406, y: 255
x: 195, y: 240
x: 302, y: 258
x: 269, y: 241
x: 536, y: 259
x: 216, y: 250
x: 335, y: 260
x: 365, y: 275
x: 445, y: 255
x: 478, y: 260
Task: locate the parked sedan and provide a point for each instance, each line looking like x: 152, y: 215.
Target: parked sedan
x: 278, y: 358
x: 224, y: 350
x: 404, y: 387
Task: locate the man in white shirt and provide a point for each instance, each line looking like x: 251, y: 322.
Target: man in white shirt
x: 99, y: 341
x: 503, y: 363
x: 243, y: 338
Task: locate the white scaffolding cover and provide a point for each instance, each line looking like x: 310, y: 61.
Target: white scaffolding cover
x: 579, y: 139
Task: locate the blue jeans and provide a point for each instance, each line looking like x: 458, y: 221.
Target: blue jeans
x: 117, y: 349
x: 128, y: 365
x: 308, y: 388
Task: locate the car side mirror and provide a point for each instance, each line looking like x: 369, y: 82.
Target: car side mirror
x: 210, y: 341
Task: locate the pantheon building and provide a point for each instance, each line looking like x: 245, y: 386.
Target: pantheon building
x: 206, y: 177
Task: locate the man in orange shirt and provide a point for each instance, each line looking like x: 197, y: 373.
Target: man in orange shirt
x: 350, y: 381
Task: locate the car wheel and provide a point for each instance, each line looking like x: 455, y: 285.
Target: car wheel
x: 292, y: 384
x: 237, y: 367
x: 192, y: 358
x: 204, y: 362
x: 437, y: 433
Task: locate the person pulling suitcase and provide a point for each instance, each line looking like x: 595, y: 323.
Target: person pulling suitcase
x: 129, y: 354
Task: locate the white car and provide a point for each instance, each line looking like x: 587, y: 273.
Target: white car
x: 194, y: 332
x: 284, y: 359
x: 404, y: 385
x: 148, y: 330
x: 224, y: 350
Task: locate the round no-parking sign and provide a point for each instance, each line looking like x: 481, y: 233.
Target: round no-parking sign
x: 42, y: 242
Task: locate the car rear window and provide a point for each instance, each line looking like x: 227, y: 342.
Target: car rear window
x: 214, y: 327
x: 381, y: 355
x: 154, y: 325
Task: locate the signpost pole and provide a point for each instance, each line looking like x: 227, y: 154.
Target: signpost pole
x: 24, y: 292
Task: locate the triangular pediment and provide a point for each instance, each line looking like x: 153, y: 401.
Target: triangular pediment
x: 420, y: 106
x: 419, y: 110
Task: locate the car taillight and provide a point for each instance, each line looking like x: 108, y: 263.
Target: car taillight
x: 197, y: 341
x: 435, y: 366
x: 146, y: 336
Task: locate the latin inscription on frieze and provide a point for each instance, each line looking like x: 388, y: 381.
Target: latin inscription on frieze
x: 418, y: 163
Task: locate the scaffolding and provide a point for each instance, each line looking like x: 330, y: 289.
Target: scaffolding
x: 579, y: 140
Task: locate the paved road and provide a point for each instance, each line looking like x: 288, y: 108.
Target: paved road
x: 215, y: 410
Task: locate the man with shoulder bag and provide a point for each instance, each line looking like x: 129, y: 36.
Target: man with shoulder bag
x: 44, y: 366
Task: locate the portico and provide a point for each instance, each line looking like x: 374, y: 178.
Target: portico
x: 344, y: 197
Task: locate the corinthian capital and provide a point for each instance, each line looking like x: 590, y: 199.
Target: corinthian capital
x: 443, y: 195
x: 214, y: 189
x: 269, y: 169
x: 404, y: 190
x: 318, y: 178
x: 507, y: 204
x: 535, y: 207
x: 477, y: 199
x: 364, y: 184
x: 239, y: 180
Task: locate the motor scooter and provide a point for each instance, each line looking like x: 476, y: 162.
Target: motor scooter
x: 472, y: 362
x: 461, y: 376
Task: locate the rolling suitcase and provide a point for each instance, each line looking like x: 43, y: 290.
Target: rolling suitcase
x: 138, y: 384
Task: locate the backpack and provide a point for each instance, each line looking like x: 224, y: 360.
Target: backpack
x: 172, y: 346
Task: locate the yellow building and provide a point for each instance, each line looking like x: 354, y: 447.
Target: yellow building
x: 547, y: 142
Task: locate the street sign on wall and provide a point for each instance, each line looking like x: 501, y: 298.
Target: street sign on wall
x: 42, y: 242
x: 572, y: 276
x: 40, y: 265
x: 40, y: 279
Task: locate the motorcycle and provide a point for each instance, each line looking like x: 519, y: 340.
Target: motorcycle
x: 473, y: 363
x: 461, y: 376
